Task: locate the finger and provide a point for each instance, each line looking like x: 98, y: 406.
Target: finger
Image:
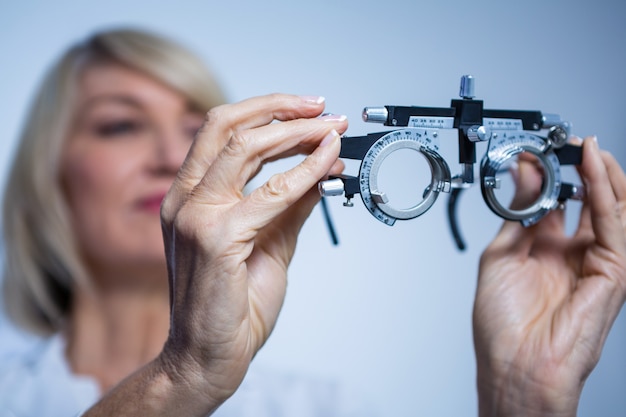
x: 246, y: 151
x: 585, y: 229
x: 217, y: 129
x: 552, y: 225
x: 584, y: 222
x: 575, y: 140
x: 294, y: 217
x: 616, y: 176
x: 598, y: 299
x: 530, y: 182
x: 513, y: 237
x: 602, y: 202
x: 618, y: 183
x: 282, y: 190
x: 337, y: 168
x: 222, y: 121
x: 308, y: 202
x: 528, y: 178
x: 288, y: 224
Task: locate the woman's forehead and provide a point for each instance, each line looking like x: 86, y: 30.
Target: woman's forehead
x: 124, y: 85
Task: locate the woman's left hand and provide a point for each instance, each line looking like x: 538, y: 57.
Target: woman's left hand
x: 546, y: 301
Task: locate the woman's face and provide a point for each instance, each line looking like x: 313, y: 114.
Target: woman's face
x: 130, y: 136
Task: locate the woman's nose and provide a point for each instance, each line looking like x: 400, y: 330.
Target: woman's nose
x: 170, y: 149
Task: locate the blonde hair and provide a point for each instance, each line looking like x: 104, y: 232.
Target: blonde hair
x: 42, y: 265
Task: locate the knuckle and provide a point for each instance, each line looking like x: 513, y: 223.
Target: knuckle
x: 276, y: 186
x: 193, y: 228
x: 185, y: 221
x: 487, y: 256
x: 217, y: 114
x: 279, y: 99
x: 275, y: 96
x: 167, y: 212
x: 169, y: 207
x: 311, y: 168
x: 175, y: 199
x: 238, y: 144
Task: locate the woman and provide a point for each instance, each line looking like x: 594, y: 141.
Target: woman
x: 90, y: 269
x: 104, y: 142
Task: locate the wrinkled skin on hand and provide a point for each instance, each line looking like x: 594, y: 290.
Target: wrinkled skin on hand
x: 227, y: 252
x: 545, y: 301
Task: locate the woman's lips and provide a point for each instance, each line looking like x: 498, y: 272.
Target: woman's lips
x: 152, y: 204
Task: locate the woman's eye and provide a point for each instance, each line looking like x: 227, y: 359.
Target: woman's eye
x: 192, y: 130
x: 118, y: 128
x: 191, y: 123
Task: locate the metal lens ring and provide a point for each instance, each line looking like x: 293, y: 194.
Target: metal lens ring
x: 500, y: 155
x: 377, y: 202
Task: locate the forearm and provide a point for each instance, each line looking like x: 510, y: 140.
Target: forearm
x: 159, y: 389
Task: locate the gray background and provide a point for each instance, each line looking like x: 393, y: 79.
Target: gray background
x: 388, y: 312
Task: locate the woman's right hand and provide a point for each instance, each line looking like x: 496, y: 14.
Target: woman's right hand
x: 227, y: 252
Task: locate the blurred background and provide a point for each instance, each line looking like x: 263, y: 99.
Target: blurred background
x: 388, y: 311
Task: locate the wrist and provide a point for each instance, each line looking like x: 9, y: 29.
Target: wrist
x: 515, y: 393
x: 185, y: 375
x: 158, y: 389
x: 210, y: 378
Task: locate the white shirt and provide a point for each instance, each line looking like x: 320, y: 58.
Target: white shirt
x: 35, y: 380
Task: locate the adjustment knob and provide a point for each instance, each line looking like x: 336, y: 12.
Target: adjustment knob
x: 375, y: 114
x: 331, y: 188
x: 479, y: 133
x: 558, y: 136
x: 467, y: 87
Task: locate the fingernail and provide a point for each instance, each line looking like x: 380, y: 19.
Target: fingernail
x: 575, y: 140
x: 332, y: 135
x: 594, y: 140
x: 330, y: 117
x: 313, y: 99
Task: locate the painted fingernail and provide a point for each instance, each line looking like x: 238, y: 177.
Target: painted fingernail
x: 332, y: 135
x: 313, y: 99
x: 330, y: 117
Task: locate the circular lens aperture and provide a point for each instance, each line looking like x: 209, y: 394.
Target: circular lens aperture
x: 388, y: 198
x: 520, y: 178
